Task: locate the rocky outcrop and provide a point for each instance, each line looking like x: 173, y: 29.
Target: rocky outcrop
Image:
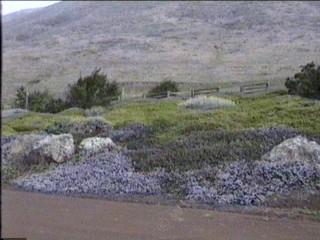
x: 95, y: 145
x: 295, y: 149
x: 31, y: 149
x: 53, y: 148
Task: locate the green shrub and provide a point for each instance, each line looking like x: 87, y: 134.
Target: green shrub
x: 55, y: 105
x: 20, y: 100
x: 92, y: 90
x: 39, y: 101
x: 305, y: 83
x: 163, y: 87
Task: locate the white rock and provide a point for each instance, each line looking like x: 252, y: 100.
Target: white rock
x: 295, y: 149
x: 57, y: 148
x: 95, y: 144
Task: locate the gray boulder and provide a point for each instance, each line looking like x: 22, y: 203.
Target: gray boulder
x: 292, y: 165
x: 30, y: 149
x: 54, y: 148
x: 14, y: 149
x: 295, y: 149
x: 95, y: 145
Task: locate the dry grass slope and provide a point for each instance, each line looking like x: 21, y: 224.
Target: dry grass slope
x: 205, y: 42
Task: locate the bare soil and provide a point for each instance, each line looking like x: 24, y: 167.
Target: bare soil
x: 41, y: 216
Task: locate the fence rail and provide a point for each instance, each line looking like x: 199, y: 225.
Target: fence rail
x: 254, y: 88
x: 244, y: 89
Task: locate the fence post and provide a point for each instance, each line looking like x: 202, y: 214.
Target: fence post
x: 122, y: 93
x: 27, y: 99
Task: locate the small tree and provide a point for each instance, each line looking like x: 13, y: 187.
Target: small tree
x: 163, y: 87
x: 39, y: 101
x: 92, y: 90
x: 20, y: 100
x: 305, y: 83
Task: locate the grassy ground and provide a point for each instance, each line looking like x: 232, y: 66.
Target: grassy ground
x: 170, y: 121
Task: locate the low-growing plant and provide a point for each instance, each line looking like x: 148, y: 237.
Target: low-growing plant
x: 209, y: 148
x: 207, y: 103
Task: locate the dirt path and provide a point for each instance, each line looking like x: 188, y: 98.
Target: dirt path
x: 39, y: 216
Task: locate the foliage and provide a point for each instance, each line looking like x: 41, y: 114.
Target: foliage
x: 206, y: 103
x: 305, y: 83
x: 38, y: 101
x: 55, y: 105
x: 163, y: 87
x: 20, y: 100
x: 92, y: 90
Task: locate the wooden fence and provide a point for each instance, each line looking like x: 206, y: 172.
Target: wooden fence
x: 243, y: 89
x: 254, y: 88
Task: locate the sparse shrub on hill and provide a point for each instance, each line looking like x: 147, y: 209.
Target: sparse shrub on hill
x: 38, y: 101
x: 163, y: 87
x: 92, y: 90
x: 305, y: 83
x: 56, y: 105
x: 20, y: 100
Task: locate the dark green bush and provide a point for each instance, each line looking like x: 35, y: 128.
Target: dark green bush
x: 163, y: 87
x: 20, y: 100
x: 39, y: 101
x: 56, y: 105
x: 92, y: 90
x: 305, y: 83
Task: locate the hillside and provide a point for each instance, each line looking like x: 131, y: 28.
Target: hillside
x: 149, y: 41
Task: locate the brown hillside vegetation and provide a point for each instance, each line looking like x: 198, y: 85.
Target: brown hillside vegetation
x: 149, y: 41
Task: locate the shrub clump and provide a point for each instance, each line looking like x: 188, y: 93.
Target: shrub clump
x: 207, y: 103
x: 92, y: 90
x: 38, y: 101
x: 305, y: 83
x: 163, y: 88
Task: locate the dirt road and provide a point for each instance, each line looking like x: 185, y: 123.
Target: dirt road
x: 39, y: 216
